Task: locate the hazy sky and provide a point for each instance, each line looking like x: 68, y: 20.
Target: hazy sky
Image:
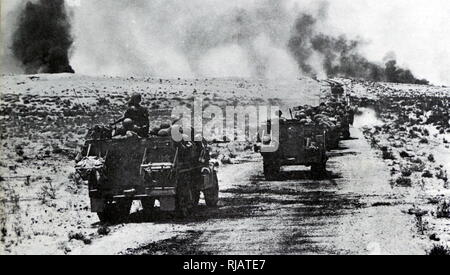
x: 418, y: 31
x: 151, y: 34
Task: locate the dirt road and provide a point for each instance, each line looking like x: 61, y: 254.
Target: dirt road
x: 354, y: 210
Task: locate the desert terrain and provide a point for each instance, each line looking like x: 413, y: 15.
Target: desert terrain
x: 386, y: 190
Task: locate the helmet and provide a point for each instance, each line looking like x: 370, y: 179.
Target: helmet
x: 127, y: 123
x: 135, y: 99
x: 302, y: 115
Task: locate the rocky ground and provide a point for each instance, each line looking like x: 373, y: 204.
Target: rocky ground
x: 410, y: 130
x: 45, y: 206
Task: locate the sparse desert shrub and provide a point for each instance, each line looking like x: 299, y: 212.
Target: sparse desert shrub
x: 404, y: 154
x: 427, y: 174
x: 423, y: 141
x: 442, y: 174
x: 388, y: 155
x: 406, y: 172
x: 439, y: 250
x: 47, y: 193
x: 431, y: 158
x: 403, y: 181
x: 15, y: 200
x: 79, y: 236
x: 443, y: 209
x: 103, y: 230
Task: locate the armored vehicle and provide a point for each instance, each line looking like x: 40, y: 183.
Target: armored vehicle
x: 307, y: 114
x: 336, y: 87
x: 155, y: 168
x: 298, y: 143
x: 344, y: 115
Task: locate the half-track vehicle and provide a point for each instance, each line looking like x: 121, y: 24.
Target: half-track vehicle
x: 344, y: 116
x: 308, y: 115
x: 119, y: 171
x: 336, y: 87
x: 298, y: 143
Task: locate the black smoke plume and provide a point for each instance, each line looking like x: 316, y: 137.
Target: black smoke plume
x: 340, y: 56
x: 42, y: 39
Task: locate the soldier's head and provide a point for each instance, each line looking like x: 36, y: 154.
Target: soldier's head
x: 135, y: 99
x: 301, y: 115
x: 128, y: 124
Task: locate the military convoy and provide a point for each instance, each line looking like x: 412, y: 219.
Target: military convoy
x: 305, y: 138
x: 149, y: 169
x: 168, y: 175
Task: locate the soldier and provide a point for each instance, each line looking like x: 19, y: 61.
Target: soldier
x: 137, y: 114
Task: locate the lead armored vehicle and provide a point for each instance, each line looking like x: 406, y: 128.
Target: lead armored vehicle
x: 155, y: 168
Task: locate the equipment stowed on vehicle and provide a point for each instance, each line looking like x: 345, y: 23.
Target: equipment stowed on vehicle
x: 147, y: 169
x: 298, y: 144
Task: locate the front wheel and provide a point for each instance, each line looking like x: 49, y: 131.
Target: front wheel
x: 271, y: 170
x: 319, y: 169
x: 195, y: 188
x: 183, y: 198
x: 114, y: 212
x: 195, y: 197
x: 148, y: 206
x: 212, y: 194
x: 346, y: 134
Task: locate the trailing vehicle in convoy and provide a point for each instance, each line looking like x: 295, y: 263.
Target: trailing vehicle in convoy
x: 119, y: 171
x: 305, y: 138
x: 298, y: 143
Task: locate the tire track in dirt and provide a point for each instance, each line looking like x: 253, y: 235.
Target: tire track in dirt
x: 354, y: 212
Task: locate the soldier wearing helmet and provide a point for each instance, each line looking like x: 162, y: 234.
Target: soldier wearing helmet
x: 137, y: 114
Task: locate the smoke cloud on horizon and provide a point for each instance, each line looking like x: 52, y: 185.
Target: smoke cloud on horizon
x: 42, y: 37
x: 255, y: 38
x: 340, y: 56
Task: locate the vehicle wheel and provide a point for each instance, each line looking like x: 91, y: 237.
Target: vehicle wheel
x: 195, y: 189
x: 346, y: 134
x: 183, y: 198
x: 271, y: 170
x: 336, y: 143
x: 115, y: 212
x: 148, y: 206
x: 319, y: 169
x: 103, y: 217
x: 195, y: 196
x: 212, y: 194
x: 333, y: 144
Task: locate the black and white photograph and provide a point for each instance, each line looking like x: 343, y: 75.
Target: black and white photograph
x: 238, y: 128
